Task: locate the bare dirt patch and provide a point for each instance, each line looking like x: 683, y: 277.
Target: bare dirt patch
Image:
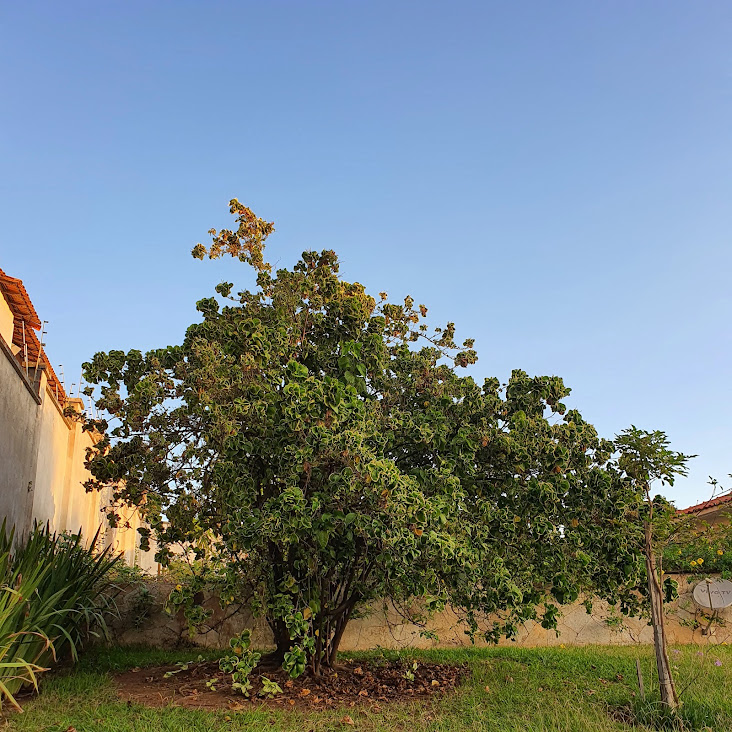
x: 373, y: 683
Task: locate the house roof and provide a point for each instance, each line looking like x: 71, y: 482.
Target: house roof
x: 24, y: 314
x: 712, y: 503
x: 19, y: 300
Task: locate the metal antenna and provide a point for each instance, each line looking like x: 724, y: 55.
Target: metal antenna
x: 40, y: 348
x: 25, y: 348
x: 63, y: 378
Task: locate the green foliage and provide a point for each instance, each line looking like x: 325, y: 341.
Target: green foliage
x: 241, y: 663
x: 270, y: 689
x: 54, y: 593
x: 313, y: 448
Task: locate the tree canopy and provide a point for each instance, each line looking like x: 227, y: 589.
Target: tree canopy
x: 322, y: 449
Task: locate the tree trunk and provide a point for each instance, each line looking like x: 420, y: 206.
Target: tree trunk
x: 282, y: 642
x: 669, y: 696
x: 332, y: 653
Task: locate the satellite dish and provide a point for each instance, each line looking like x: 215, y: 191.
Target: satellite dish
x: 713, y: 594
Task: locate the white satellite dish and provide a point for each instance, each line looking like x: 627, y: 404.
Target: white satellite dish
x: 713, y: 594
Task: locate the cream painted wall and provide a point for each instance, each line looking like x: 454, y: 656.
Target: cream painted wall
x: 60, y: 496
x: 6, y: 322
x: 18, y: 441
x: 42, y: 456
x: 51, y: 461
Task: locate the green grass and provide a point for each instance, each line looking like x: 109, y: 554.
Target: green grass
x: 532, y: 690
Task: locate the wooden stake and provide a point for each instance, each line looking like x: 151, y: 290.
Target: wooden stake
x: 640, y: 679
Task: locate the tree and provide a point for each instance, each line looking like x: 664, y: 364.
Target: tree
x: 645, y: 458
x: 320, y: 450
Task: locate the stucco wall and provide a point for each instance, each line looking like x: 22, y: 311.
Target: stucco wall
x: 42, y: 471
x: 19, y: 431
x: 61, y: 498
x: 6, y: 321
x: 143, y: 620
x: 51, y: 462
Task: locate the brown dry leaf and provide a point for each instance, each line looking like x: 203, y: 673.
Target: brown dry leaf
x: 291, y: 702
x: 347, y: 720
x: 358, y: 671
x: 289, y: 683
x: 304, y: 692
x: 363, y: 692
x: 487, y: 688
x: 435, y: 682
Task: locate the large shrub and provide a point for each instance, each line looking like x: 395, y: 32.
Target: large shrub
x: 323, y: 449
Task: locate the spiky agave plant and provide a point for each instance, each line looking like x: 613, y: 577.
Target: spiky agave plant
x: 54, y: 593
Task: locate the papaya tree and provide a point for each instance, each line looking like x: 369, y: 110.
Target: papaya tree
x: 317, y: 450
x: 645, y: 458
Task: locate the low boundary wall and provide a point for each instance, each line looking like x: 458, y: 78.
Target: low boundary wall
x: 144, y: 620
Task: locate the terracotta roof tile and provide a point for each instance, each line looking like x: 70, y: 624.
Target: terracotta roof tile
x: 26, y: 322
x: 18, y: 300
x: 712, y: 503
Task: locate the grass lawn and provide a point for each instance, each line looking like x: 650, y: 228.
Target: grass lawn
x: 562, y: 689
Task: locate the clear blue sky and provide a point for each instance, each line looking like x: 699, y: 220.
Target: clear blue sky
x: 555, y: 177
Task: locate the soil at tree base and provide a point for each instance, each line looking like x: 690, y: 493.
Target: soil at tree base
x: 352, y: 683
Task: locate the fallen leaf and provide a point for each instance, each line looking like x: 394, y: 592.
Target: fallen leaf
x: 487, y: 688
x: 363, y: 692
x: 435, y: 682
x: 291, y: 702
x: 347, y: 720
x: 358, y: 671
x: 304, y: 692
